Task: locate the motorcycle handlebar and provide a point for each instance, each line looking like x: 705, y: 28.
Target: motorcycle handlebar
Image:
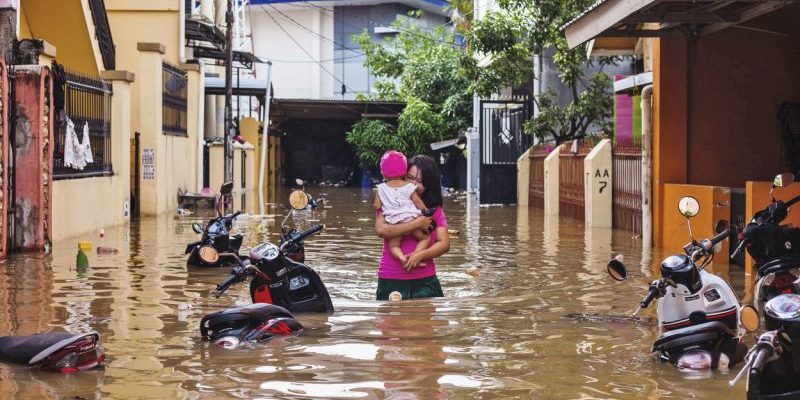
x: 763, y: 353
x: 721, y: 236
x: 308, y: 232
x: 222, y: 287
x: 650, y: 296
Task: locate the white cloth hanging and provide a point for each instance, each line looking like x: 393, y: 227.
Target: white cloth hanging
x: 87, y: 145
x: 76, y: 154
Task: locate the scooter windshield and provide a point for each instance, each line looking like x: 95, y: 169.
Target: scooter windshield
x: 217, y: 228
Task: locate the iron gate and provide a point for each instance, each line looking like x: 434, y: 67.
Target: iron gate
x: 502, y: 141
x: 627, y: 194
x: 536, y: 188
x: 571, y: 190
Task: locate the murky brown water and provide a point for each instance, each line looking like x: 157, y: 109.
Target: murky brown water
x: 500, y: 335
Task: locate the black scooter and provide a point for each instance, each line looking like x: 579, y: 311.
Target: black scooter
x: 56, y: 351
x: 773, y: 365
x: 280, y: 286
x: 775, y: 248
x: 216, y: 247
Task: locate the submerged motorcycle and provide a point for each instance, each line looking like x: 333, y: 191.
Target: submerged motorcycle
x: 56, y: 351
x: 280, y: 286
x: 698, y: 312
x: 774, y: 248
x: 216, y: 247
x: 773, y: 364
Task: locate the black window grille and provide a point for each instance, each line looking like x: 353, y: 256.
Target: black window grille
x: 86, y: 101
x: 173, y: 89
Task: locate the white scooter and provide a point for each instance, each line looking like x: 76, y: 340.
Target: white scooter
x: 698, y: 312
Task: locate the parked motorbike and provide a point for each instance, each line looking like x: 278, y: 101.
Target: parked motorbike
x: 698, y: 312
x: 280, y: 285
x: 277, y: 277
x: 773, y: 364
x: 216, y: 247
x: 774, y: 248
x: 56, y: 351
x: 252, y: 323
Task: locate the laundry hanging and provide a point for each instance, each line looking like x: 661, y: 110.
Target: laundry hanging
x: 76, y: 154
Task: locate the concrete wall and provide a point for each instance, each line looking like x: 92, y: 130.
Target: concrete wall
x: 73, y: 213
x: 523, y: 178
x: 716, y: 101
x: 552, y: 165
x: 598, y: 172
x: 736, y: 82
x: 294, y: 74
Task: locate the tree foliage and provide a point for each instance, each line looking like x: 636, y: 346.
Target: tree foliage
x: 420, y: 68
x: 511, y: 37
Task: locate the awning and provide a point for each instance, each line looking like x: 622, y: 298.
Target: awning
x: 241, y: 87
x: 663, y: 18
x: 334, y: 109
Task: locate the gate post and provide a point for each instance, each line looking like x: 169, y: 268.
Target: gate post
x: 121, y: 136
x: 523, y: 178
x: 551, y: 168
x: 597, y: 170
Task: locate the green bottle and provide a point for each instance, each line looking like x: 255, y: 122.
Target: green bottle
x: 82, y: 261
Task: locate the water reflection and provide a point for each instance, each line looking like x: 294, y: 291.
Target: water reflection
x: 501, y: 334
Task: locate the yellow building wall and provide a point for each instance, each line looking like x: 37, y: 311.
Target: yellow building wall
x: 67, y: 25
x: 87, y: 204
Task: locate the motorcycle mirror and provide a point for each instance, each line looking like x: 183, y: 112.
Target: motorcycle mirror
x: 783, y: 180
x: 617, y: 270
x: 298, y: 199
x: 688, y: 206
x: 721, y: 226
x: 226, y: 188
x: 750, y: 318
x: 299, y: 182
x: 197, y: 228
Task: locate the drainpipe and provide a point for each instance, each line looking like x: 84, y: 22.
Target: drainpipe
x: 647, y: 168
x: 264, y: 139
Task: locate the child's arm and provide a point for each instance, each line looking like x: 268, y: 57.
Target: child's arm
x: 377, y: 202
x: 417, y: 201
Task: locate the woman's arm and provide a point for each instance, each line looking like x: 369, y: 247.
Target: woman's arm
x: 388, y: 231
x: 441, y: 246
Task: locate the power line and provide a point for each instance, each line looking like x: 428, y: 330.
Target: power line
x: 306, y: 52
x: 373, y: 23
x: 308, y: 62
x: 301, y: 26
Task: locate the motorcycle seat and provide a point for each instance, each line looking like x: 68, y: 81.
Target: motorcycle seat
x: 692, y: 334
x: 258, y: 313
x: 778, y: 264
x: 34, y: 348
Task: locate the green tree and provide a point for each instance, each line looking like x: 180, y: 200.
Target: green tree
x: 512, y: 36
x: 420, y: 68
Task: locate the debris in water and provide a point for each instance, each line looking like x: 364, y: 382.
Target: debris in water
x: 395, y: 296
x: 474, y: 271
x: 599, y: 318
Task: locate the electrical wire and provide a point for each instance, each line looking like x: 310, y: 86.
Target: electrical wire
x: 373, y: 23
x: 306, y: 52
x: 342, y: 47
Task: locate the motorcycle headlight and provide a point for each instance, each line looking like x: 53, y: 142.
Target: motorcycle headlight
x: 208, y: 254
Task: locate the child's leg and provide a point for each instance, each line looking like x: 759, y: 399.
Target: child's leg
x: 423, y: 238
x: 394, y: 248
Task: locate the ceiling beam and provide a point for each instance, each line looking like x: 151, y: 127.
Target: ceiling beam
x: 681, y: 18
x: 640, y: 33
x: 756, y: 11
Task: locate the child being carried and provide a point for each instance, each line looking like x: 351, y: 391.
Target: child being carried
x: 399, y: 201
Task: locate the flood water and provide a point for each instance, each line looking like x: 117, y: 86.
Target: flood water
x: 502, y: 334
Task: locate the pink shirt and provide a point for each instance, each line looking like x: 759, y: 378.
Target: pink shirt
x: 391, y: 268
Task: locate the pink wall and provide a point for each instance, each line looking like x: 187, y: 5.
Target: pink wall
x: 737, y: 79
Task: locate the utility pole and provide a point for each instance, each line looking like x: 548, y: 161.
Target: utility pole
x: 228, y: 96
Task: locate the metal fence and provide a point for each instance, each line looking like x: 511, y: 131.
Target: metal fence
x: 173, y: 100
x: 571, y: 188
x: 627, y: 163
x: 86, y: 101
